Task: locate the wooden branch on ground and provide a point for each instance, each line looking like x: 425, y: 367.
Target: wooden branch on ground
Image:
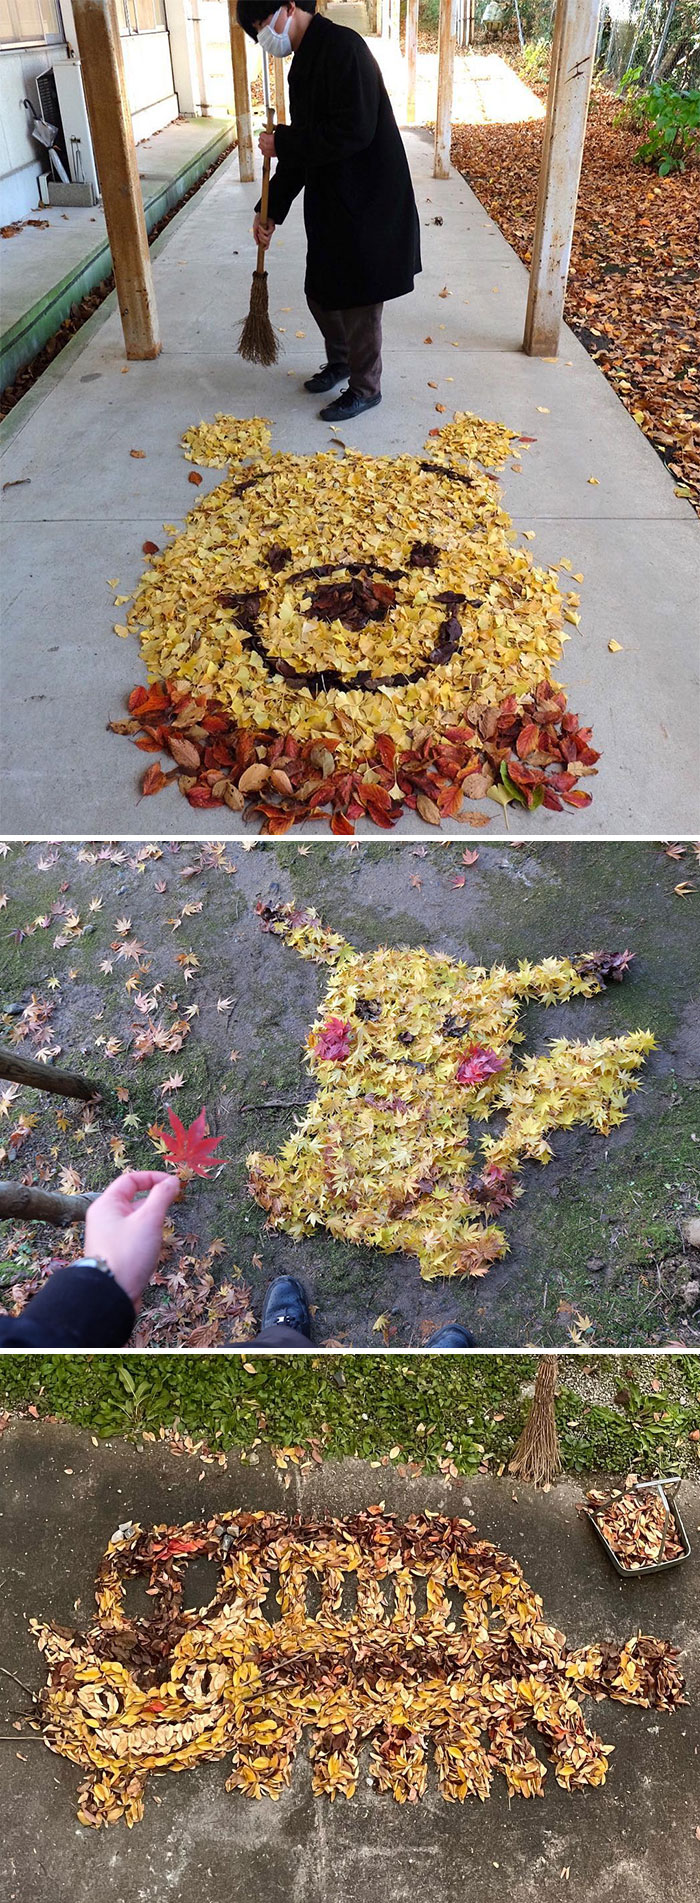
x: 28, y: 1204
x: 279, y: 1103
x: 16, y: 1069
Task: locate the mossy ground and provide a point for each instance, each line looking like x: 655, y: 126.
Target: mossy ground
x: 596, y: 1234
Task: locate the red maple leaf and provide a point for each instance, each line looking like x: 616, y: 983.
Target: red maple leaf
x: 333, y: 1042
x: 191, y: 1150
x: 478, y: 1064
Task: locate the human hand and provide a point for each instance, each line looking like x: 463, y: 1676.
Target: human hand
x: 266, y: 143
x: 262, y: 233
x: 127, y: 1234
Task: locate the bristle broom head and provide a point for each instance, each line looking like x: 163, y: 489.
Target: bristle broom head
x: 258, y: 343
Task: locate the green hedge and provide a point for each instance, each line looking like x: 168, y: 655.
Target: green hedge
x: 429, y: 1408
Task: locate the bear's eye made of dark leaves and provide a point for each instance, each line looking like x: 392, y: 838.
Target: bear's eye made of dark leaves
x: 369, y: 1009
x: 451, y: 1027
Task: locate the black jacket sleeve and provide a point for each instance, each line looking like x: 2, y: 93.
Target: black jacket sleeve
x: 77, y: 1307
x: 285, y: 185
x: 349, y: 120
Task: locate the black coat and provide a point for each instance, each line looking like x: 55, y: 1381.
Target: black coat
x: 343, y: 148
x: 78, y: 1307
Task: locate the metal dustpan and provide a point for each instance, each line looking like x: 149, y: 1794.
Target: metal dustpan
x: 667, y: 1490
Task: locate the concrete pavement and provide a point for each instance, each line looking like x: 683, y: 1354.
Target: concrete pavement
x: 631, y: 1842
x: 79, y: 507
x: 61, y: 255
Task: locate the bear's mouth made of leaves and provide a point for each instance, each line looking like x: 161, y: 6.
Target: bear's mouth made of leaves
x: 357, y: 594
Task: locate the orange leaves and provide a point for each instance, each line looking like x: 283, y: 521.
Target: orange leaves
x: 632, y: 290
x: 154, y: 779
x: 536, y: 743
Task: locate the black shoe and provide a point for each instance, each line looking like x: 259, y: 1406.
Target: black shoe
x: 326, y: 378
x: 286, y: 1302
x: 453, y: 1336
x: 347, y: 406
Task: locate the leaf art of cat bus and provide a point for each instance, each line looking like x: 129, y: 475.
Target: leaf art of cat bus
x: 425, y: 1638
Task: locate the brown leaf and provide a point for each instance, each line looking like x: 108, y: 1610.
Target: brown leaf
x: 476, y: 785
x: 184, y: 751
x: 195, y: 477
x: 253, y: 778
x: 428, y: 810
x: 281, y: 781
x: 154, y: 779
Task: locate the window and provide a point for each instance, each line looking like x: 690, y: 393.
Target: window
x: 142, y: 16
x: 28, y: 22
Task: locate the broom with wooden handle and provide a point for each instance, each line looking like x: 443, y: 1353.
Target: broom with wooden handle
x: 258, y: 343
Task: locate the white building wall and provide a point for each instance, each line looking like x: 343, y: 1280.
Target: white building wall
x: 20, y: 163
x: 150, y: 88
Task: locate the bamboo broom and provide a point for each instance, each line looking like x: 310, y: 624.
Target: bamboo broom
x: 536, y: 1456
x: 258, y: 343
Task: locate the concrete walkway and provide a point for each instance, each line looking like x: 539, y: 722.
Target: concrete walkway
x: 78, y: 508
x: 48, y: 268
x: 634, y: 1841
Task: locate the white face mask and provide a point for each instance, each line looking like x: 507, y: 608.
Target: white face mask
x: 276, y: 45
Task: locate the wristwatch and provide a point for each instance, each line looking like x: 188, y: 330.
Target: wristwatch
x: 94, y: 1262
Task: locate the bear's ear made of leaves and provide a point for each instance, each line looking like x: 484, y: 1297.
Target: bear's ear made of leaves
x: 305, y: 932
x: 230, y: 442
x: 469, y: 439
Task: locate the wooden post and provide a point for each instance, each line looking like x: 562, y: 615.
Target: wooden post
x: 446, y: 67
x: 42, y: 1205
x: 100, y: 49
x: 27, y: 1070
x: 411, y: 59
x: 241, y: 94
x: 571, y: 74
x: 280, y: 100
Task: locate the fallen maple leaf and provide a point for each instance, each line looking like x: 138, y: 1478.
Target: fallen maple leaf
x: 189, y: 1148
x: 333, y: 1042
x: 478, y: 1064
x: 175, y: 1082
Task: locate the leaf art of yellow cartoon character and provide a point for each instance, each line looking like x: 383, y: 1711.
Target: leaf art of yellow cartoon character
x: 470, y: 1670
x: 345, y: 636
x: 409, y: 1045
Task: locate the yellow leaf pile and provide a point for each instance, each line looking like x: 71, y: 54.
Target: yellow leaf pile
x: 424, y: 1636
x: 382, y: 1156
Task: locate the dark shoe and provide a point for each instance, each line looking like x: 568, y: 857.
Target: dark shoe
x: 347, y: 406
x: 453, y: 1336
x: 286, y: 1302
x: 326, y: 378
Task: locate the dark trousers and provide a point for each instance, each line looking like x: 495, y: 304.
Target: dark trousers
x: 278, y: 1335
x: 353, y: 340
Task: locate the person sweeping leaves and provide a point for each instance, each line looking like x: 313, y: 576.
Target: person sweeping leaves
x: 343, y: 149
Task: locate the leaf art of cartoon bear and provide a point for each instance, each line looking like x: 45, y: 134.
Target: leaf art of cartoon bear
x: 343, y: 636
x: 470, y: 1674
x: 410, y: 1045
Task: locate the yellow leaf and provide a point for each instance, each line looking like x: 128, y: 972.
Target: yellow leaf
x: 615, y: 647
